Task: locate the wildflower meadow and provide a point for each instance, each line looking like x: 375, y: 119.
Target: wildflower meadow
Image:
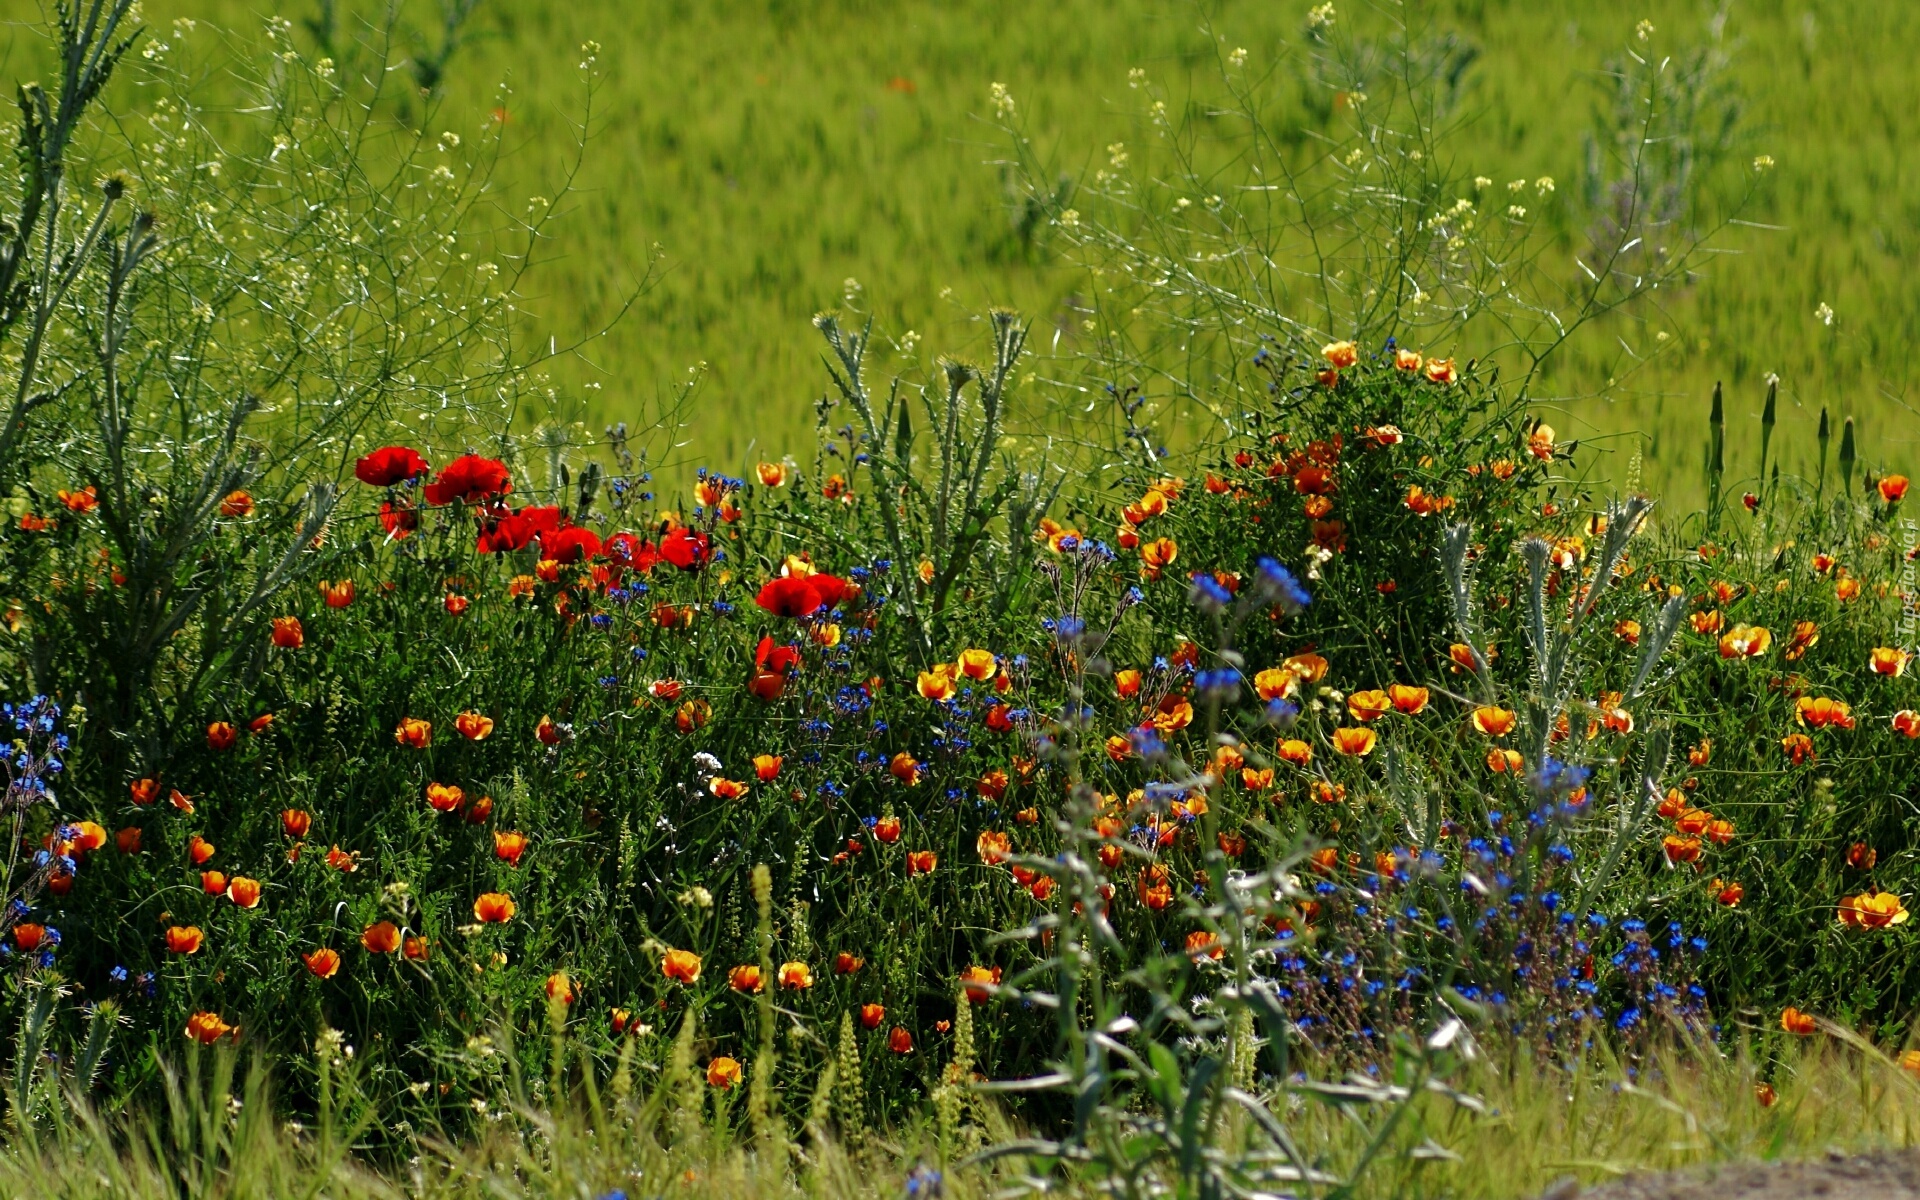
x: 1361, y: 792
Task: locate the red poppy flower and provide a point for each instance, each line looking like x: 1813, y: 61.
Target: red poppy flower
x: 470, y: 478
x: 774, y: 658
x: 505, y: 531
x: 627, y: 550
x: 398, y: 520
x: 570, y: 544
x: 389, y: 465
x: 688, y: 549
x: 790, y: 597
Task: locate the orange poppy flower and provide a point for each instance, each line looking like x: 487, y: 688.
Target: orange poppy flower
x: 977, y: 665
x: 796, y: 976
x: 1462, y: 656
x: 1893, y: 488
x: 723, y: 1073
x: 243, y: 891
x: 337, y: 593
x: 726, y: 789
x: 207, y: 1028
x: 1355, y: 742
x: 1628, y: 631
x: 1806, y: 634
x: 1745, y: 641
x: 937, y: 684
x: 445, y: 797
x: 1126, y: 682
x: 906, y: 769
x: 1493, y: 721
x: 1872, y: 910
x: 1673, y: 805
x: 1907, y: 722
x: 921, y: 862
x: 180, y: 800
x: 323, y: 963
x: 1502, y: 762
x: 1295, y: 751
x: 473, y: 726
x: 1799, y: 748
x: 1862, y: 857
x: 1157, y: 555
x: 28, y: 936
x: 416, y: 949
x: 497, y: 908
x: 414, y: 732
x: 1340, y: 355
x: 1274, y: 683
x: 145, y: 791
x: 128, y: 840
x: 847, y: 964
x: 993, y: 847
x: 213, y: 883
x: 1728, y: 894
x: 1441, y: 371
x: 1822, y: 711
x: 887, y: 830
x: 772, y: 474
x: 1796, y: 1022
x: 1308, y: 667
x: 199, y: 850
x: 1888, y: 660
x: 382, y: 937
x: 1701, y: 753
x: 681, y: 966
x: 1406, y: 698
x: 1328, y: 793
x: 1707, y: 622
x: 341, y: 860
x: 977, y: 981
x: 1256, y: 780
x: 1719, y: 831
x: 295, y: 822
x: 1203, y: 944
x: 1846, y: 590
x: 509, y: 846
x: 900, y: 1040
x: 1369, y: 705
x: 1680, y: 849
x: 766, y: 767
x: 184, y: 939
x: 221, y: 736
x: 287, y: 633
x: 1173, y: 714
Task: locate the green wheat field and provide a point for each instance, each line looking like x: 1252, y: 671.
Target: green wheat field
x: 775, y: 150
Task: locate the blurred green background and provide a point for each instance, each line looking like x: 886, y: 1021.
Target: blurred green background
x: 775, y: 149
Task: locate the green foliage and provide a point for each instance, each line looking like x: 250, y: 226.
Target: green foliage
x: 762, y: 147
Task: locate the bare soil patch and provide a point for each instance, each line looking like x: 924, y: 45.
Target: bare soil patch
x: 1889, y: 1175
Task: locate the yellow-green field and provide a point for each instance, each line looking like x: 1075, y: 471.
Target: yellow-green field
x: 776, y: 149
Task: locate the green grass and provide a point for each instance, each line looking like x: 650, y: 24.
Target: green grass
x: 217, y: 1137
x: 760, y: 145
